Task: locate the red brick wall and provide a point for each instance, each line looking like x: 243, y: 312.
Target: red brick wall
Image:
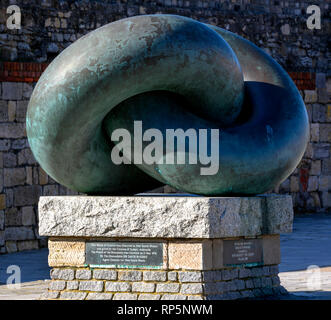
x: 304, y: 80
x: 21, y: 71
x: 31, y: 71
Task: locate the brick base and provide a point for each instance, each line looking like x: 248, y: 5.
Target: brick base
x: 115, y: 248
x: 192, y: 270
x: 107, y: 284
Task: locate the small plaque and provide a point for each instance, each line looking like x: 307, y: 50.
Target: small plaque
x: 120, y: 254
x: 243, y: 251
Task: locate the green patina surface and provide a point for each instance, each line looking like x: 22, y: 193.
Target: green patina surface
x: 168, y: 72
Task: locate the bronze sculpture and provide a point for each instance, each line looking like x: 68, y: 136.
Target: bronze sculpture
x: 167, y: 72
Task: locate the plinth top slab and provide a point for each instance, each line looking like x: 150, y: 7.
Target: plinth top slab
x: 164, y: 216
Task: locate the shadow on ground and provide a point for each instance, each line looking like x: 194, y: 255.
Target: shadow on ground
x: 308, y: 244
x: 33, y: 265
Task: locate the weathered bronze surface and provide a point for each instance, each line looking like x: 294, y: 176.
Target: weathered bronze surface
x: 169, y: 72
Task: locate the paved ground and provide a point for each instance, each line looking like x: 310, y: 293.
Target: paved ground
x: 305, y: 270
x: 311, y: 284
x: 308, y: 244
x: 26, y: 291
x: 34, y: 271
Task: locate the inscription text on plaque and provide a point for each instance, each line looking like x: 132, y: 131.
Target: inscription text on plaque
x: 243, y: 251
x: 124, y: 254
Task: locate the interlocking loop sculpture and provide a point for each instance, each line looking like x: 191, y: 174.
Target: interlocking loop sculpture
x: 168, y: 72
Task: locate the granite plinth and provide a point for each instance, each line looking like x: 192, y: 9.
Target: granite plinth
x: 165, y: 216
x: 164, y: 247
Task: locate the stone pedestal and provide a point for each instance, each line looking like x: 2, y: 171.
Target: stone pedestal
x: 164, y: 247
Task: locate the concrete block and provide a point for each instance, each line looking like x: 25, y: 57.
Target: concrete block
x: 321, y: 150
x: 155, y: 276
x: 143, y: 287
x: 190, y: 255
x: 57, y: 285
x: 117, y: 286
x: 66, y: 253
x: 312, y: 183
x: 278, y: 214
x: 2, y: 201
x: 21, y: 108
x: 14, y: 176
x: 25, y: 156
x: 43, y: 177
x: 315, y: 168
x: 72, y: 295
x: 310, y: 96
x: 3, y: 111
x: 13, y: 217
x: 28, y: 216
x: 104, y: 274
x: 294, y: 184
x: 146, y: 296
x: 72, y: 285
x: 167, y: 287
x: 9, y: 160
x: 190, y: 276
x: 172, y: 276
x: 173, y: 297
x: 26, y: 195
x: 11, y: 110
x: 326, y: 166
x: 319, y: 112
x: 130, y: 275
x: 325, y: 132
x: 91, y: 285
x: 12, y: 130
x: 11, y: 246
x: 12, y: 90
x: 2, y: 220
x: 19, y: 233
x: 125, y: 296
x: 314, y: 132
x: 177, y: 217
x: 27, y: 245
x: 83, y: 274
x: 99, y: 296
x: 63, y: 274
x: 191, y: 288
x: 324, y: 183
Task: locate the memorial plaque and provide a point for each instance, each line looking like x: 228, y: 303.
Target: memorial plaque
x: 243, y: 251
x: 124, y: 254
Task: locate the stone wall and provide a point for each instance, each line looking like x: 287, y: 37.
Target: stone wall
x: 22, y: 180
x: 279, y: 27
x: 107, y: 284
